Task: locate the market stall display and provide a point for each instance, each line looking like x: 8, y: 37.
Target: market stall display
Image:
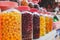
x: 29, y: 23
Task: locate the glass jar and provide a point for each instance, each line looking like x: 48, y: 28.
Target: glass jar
x: 47, y: 23
x: 0, y: 27
x: 27, y: 26
x: 50, y: 23
x: 11, y: 25
x: 42, y: 25
x: 36, y: 25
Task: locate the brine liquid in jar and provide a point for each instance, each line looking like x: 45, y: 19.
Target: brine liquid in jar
x: 11, y: 26
x: 27, y: 26
x: 42, y: 26
x: 36, y: 26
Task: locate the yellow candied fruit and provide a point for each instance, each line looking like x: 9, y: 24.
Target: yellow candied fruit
x: 42, y: 26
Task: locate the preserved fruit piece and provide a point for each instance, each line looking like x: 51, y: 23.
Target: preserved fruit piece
x: 27, y: 26
x: 42, y: 26
x: 11, y: 26
x: 36, y: 26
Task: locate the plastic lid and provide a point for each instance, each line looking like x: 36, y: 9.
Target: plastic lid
x: 8, y: 4
x: 23, y: 8
x: 33, y: 10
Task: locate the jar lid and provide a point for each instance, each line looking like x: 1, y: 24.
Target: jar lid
x: 33, y: 10
x: 35, y: 1
x: 8, y: 4
x: 23, y: 8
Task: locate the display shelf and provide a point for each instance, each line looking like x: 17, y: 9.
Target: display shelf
x: 48, y: 36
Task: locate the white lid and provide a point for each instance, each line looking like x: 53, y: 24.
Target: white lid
x: 41, y: 14
x: 26, y: 12
x: 36, y: 13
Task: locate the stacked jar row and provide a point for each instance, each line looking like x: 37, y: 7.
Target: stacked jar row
x: 24, y: 26
x: 16, y: 26
x: 42, y: 24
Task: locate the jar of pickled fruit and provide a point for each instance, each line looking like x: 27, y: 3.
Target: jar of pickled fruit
x: 42, y: 25
x: 27, y: 26
x: 0, y: 28
x: 36, y: 25
x: 47, y: 23
x: 11, y: 25
x: 50, y: 23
